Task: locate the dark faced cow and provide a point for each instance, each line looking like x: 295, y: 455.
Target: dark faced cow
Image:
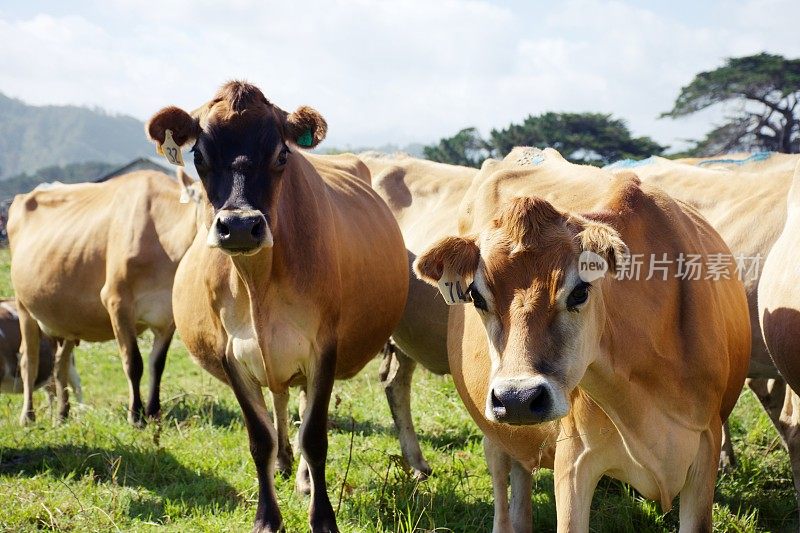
x: 297, y: 276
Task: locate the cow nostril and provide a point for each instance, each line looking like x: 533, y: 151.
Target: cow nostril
x: 540, y: 400
x: 222, y: 229
x: 498, y: 407
x: 257, y: 231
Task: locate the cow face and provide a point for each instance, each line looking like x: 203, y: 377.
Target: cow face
x: 543, y: 321
x: 243, y: 147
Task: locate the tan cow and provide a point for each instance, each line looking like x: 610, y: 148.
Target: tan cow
x: 424, y: 197
x: 96, y: 261
x: 640, y: 372
x: 744, y: 198
x: 298, y: 276
x: 10, y: 339
x: 779, y: 312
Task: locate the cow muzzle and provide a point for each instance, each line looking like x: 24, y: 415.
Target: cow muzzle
x: 525, y: 400
x: 239, y: 232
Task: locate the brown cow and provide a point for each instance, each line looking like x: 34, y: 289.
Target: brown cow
x: 744, y: 198
x: 10, y: 339
x: 96, y: 261
x: 640, y: 372
x: 298, y: 276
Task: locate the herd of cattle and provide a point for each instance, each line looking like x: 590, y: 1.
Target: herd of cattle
x: 281, y: 268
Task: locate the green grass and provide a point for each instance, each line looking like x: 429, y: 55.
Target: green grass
x: 193, y: 472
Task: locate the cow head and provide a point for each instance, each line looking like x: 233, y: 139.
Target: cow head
x: 243, y: 147
x: 542, y: 319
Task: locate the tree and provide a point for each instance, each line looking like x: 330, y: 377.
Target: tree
x: 587, y: 138
x: 465, y: 148
x: 593, y: 138
x: 764, y: 90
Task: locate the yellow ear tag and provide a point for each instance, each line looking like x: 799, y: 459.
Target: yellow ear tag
x: 170, y: 150
x: 454, y: 288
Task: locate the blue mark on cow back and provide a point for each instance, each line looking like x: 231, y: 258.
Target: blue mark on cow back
x: 754, y: 158
x: 631, y: 163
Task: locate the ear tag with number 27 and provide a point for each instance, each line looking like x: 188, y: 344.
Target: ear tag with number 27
x: 170, y: 150
x: 453, y: 288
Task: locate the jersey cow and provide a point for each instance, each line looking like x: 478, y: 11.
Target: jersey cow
x: 96, y: 261
x: 779, y: 314
x: 744, y: 198
x: 423, y: 197
x: 298, y: 275
x: 639, y: 370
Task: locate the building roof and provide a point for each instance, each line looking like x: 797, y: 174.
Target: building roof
x: 141, y: 163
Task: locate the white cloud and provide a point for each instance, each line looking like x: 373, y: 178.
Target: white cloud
x: 388, y: 71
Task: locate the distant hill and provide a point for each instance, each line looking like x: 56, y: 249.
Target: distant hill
x: 71, y: 143
x: 33, y: 137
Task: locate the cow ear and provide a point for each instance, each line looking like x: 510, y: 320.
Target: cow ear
x: 458, y: 255
x: 305, y: 127
x: 184, y: 127
x: 603, y: 240
x: 188, y: 192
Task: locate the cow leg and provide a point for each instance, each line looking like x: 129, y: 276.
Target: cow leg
x: 499, y: 464
x: 157, y: 360
x: 302, y: 481
x: 125, y: 332
x: 697, y: 495
x: 789, y: 428
x: 62, y: 366
x: 727, y: 458
x: 575, y: 476
x: 780, y: 403
x: 521, y: 507
x: 314, y: 441
x: 262, y: 439
x: 29, y: 362
x: 771, y: 394
x: 397, y: 370
x: 50, y: 390
x: 75, y: 380
x: 280, y: 405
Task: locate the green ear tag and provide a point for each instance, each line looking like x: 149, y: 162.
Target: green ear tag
x: 306, y: 139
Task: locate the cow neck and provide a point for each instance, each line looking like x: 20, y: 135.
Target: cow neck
x: 289, y: 261
x: 608, y: 377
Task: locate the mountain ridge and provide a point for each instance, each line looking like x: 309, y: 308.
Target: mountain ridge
x: 33, y: 137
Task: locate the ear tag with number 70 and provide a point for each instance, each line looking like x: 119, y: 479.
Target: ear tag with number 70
x: 170, y: 150
x: 454, y: 288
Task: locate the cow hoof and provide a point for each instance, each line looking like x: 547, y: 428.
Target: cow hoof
x: 421, y: 474
x: 325, y: 527
x: 27, y: 418
x: 266, y: 528
x: 285, y: 468
x: 136, y: 421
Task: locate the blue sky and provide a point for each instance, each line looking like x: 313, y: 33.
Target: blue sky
x: 397, y: 71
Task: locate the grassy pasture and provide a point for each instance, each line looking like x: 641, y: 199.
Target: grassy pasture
x: 193, y: 472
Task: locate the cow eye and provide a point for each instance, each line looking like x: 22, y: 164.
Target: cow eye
x: 477, y: 299
x: 283, y: 157
x: 198, y: 158
x: 578, y: 296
